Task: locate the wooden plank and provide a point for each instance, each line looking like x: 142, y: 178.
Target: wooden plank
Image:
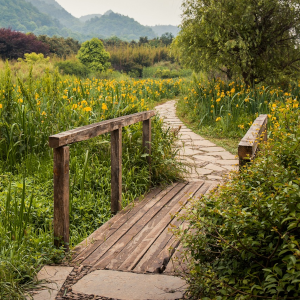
x: 99, y: 256
x: 248, y: 145
x: 177, y: 263
x: 126, y: 219
x: 158, y: 255
x: 124, y: 247
x: 80, y: 248
x: 61, y: 197
x: 90, y: 131
x: 116, y: 170
x: 147, y: 139
x: 134, y: 258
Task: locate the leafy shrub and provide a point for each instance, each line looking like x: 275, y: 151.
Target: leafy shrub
x: 244, y: 239
x: 14, y: 44
x: 34, y: 58
x: 73, y: 68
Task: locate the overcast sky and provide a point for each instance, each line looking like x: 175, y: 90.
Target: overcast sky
x: 146, y: 12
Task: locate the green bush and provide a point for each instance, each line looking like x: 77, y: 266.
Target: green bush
x: 76, y: 68
x: 244, y: 239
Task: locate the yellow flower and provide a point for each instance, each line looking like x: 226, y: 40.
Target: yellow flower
x: 74, y: 106
x: 218, y: 119
x: 218, y: 100
x: 87, y: 108
x: 43, y: 113
x: 104, y: 106
x: 0, y: 105
x: 247, y: 100
x: 20, y: 100
x: 241, y: 126
x: 232, y: 91
x: 237, y: 105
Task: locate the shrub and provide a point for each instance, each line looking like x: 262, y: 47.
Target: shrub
x: 34, y: 58
x: 73, y: 68
x: 15, y: 44
x: 244, y: 239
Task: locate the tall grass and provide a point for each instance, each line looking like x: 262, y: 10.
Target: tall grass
x: 229, y: 108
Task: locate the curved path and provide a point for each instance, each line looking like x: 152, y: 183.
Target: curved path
x: 204, y: 160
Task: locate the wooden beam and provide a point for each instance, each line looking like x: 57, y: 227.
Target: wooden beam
x: 147, y: 139
x: 248, y: 146
x: 89, y: 131
x: 116, y: 170
x: 61, y: 197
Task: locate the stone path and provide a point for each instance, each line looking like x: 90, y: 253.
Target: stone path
x: 203, y: 159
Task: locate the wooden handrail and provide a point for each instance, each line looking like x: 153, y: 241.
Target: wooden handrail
x: 61, y: 158
x: 249, y: 145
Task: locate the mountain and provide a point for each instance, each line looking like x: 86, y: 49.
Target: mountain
x: 89, y: 17
x: 161, y: 29
x: 118, y: 25
x: 56, y: 11
x: 23, y: 16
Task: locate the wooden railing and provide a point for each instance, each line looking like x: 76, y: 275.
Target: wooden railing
x: 61, y: 156
x: 249, y: 145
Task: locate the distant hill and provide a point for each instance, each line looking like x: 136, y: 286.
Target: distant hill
x: 161, y: 29
x: 117, y: 25
x: 56, y: 11
x: 89, y: 17
x: 23, y: 16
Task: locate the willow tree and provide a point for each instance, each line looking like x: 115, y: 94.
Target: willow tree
x: 255, y: 39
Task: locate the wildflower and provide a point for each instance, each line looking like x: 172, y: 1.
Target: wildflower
x: 247, y: 100
x: 218, y: 100
x: 241, y: 126
x: 218, y: 119
x: 232, y: 91
x: 104, y: 106
x: 87, y: 108
x: 237, y: 105
x: 0, y: 105
x: 20, y: 100
x: 43, y: 113
x: 74, y: 106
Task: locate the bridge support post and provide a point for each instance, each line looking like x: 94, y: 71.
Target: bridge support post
x: 61, y: 196
x: 116, y: 170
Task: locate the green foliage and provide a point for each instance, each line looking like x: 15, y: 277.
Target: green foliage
x: 62, y: 47
x: 73, y: 67
x: 33, y: 58
x: 93, y: 55
x: 258, y: 41
x: 244, y: 239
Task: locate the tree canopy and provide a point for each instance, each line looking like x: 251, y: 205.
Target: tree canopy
x: 93, y: 55
x: 254, y: 39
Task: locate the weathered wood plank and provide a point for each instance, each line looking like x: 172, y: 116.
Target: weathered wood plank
x: 117, y: 230
x: 80, y: 248
x: 124, y: 247
x: 89, y: 131
x: 158, y: 255
x: 61, y: 197
x: 116, y: 170
x: 99, y: 259
x: 249, y: 144
x: 147, y: 139
x: 134, y: 258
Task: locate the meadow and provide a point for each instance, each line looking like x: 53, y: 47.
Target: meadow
x: 35, y: 105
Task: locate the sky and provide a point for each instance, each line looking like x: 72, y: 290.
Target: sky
x: 146, y: 12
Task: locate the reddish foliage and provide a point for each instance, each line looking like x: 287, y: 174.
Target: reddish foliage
x: 14, y: 44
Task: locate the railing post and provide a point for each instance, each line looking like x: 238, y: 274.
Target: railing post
x: 61, y: 196
x: 116, y: 170
x: 147, y: 139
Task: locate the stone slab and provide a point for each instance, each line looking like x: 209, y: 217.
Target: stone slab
x: 224, y: 155
x: 214, y: 167
x: 131, y: 286
x: 204, y: 143
x: 205, y: 158
x: 213, y: 149
x: 54, y: 278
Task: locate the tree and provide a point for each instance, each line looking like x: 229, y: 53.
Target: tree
x: 93, y: 55
x: 258, y: 40
x: 14, y: 45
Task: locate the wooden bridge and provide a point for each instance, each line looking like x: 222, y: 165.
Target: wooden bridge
x: 138, y: 238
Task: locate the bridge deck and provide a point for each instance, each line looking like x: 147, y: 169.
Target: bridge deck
x: 138, y: 239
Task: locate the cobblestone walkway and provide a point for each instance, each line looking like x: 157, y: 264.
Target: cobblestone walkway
x: 203, y: 159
